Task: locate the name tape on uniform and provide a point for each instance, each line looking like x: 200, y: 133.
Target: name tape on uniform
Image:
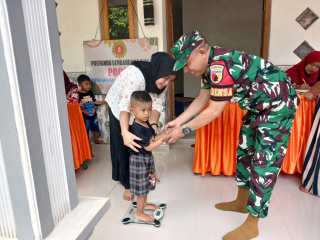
x: 221, y: 92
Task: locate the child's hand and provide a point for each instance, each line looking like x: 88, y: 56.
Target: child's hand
x: 168, y: 131
x: 165, y: 137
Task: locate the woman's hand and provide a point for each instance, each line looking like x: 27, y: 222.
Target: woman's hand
x: 128, y: 140
x: 304, y: 86
x: 172, y: 124
x: 308, y: 95
x: 156, y: 130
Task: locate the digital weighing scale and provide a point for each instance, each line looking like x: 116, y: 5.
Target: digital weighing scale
x: 158, y: 214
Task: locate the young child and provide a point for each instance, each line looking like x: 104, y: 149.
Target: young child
x: 142, y: 169
x: 87, y: 102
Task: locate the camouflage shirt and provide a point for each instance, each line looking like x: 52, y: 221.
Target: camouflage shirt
x: 251, y: 81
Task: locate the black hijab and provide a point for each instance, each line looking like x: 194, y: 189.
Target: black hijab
x: 161, y: 65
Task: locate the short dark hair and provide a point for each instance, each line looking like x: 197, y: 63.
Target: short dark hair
x: 83, y: 78
x: 140, y: 96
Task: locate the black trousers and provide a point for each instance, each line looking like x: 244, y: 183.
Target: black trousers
x: 119, y: 153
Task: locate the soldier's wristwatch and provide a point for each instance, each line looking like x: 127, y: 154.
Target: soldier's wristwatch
x: 185, y: 129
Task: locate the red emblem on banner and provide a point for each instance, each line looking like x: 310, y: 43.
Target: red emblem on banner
x: 119, y: 50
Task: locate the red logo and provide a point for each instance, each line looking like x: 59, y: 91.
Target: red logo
x: 119, y: 50
x: 216, y: 73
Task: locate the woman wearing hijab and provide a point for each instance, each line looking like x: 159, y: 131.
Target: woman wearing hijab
x: 152, y: 77
x: 305, y: 74
x: 72, y: 93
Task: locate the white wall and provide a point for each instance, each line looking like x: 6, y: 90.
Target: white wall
x: 159, y: 28
x: 286, y: 32
x: 78, y: 21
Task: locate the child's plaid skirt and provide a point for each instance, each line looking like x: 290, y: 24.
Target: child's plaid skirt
x: 142, y: 174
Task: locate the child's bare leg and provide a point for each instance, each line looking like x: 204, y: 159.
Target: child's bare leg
x: 141, y: 201
x: 150, y: 206
x: 95, y: 136
x: 90, y: 144
x: 127, y: 196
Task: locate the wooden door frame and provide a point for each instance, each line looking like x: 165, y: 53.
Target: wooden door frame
x: 131, y: 6
x: 264, y: 46
x: 170, y: 106
x: 265, y: 29
x: 104, y: 19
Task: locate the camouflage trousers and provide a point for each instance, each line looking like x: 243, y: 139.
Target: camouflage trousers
x: 260, y: 154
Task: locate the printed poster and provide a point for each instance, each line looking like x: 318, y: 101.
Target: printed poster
x: 105, y: 59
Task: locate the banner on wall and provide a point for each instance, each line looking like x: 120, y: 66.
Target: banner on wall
x: 105, y: 59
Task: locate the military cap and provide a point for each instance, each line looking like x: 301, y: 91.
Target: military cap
x: 182, y: 48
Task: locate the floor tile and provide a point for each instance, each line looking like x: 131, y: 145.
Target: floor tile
x: 190, y: 199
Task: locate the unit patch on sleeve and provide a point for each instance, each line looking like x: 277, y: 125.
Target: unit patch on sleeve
x: 222, y: 85
x: 216, y: 73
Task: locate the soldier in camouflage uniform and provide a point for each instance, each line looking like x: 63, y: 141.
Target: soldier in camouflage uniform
x: 262, y: 89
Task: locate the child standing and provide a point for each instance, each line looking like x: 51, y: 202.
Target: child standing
x: 87, y: 102
x: 142, y: 169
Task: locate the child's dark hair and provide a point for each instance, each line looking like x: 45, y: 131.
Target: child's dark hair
x: 82, y: 78
x: 140, y: 96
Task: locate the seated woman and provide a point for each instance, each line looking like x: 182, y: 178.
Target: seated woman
x: 305, y: 74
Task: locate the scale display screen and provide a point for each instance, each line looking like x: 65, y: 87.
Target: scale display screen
x: 158, y: 213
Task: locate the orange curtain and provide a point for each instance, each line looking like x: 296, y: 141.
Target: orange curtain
x: 216, y: 143
x: 79, y: 138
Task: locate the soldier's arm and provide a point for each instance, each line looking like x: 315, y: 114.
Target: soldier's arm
x: 208, y: 115
x: 195, y: 107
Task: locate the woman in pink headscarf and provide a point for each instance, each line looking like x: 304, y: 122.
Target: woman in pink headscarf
x: 306, y: 74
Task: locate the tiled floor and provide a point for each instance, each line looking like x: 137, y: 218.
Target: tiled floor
x: 191, y: 213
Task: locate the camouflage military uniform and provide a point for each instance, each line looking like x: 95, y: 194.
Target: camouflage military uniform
x: 262, y: 89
